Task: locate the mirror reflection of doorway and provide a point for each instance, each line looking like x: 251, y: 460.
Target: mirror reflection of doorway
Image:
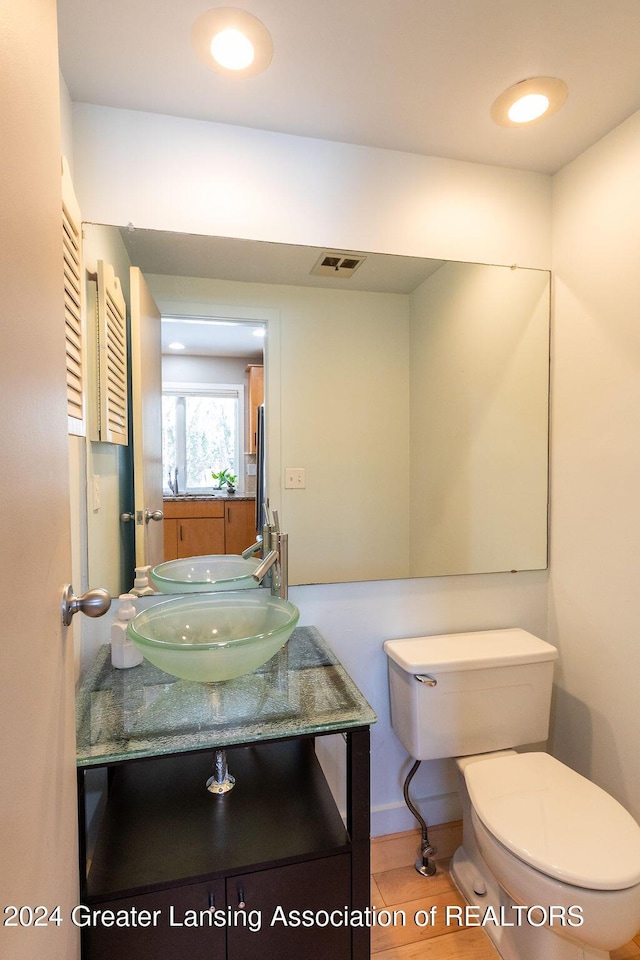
x: 212, y: 385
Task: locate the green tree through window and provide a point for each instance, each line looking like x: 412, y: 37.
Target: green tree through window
x: 200, y: 433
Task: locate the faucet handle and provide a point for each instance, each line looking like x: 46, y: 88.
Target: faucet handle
x: 253, y: 549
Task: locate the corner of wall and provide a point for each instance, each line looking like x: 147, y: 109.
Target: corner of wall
x: 66, y: 123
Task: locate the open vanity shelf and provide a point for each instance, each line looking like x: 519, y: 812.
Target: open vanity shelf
x: 275, y: 843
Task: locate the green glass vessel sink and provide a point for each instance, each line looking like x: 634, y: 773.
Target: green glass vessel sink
x: 213, y: 636
x: 205, y: 574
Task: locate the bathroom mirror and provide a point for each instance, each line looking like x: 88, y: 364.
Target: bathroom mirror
x: 412, y: 394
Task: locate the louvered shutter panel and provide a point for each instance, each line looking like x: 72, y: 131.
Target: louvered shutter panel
x: 112, y: 357
x: 73, y: 305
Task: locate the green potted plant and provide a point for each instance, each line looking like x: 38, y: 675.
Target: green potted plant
x: 225, y: 479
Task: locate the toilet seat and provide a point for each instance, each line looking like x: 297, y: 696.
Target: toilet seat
x: 555, y: 820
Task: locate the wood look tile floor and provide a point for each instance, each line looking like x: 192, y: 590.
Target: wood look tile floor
x: 396, y: 886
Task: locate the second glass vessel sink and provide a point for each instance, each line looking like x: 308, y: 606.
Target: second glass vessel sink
x: 205, y: 574
x: 213, y: 636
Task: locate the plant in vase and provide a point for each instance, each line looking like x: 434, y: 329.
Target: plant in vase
x: 225, y: 479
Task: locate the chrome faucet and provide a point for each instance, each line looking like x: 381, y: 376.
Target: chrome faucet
x: 263, y: 540
x: 173, y: 482
x: 276, y: 559
x: 252, y: 550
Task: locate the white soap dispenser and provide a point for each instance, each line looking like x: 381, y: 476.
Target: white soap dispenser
x: 141, y: 585
x: 124, y: 653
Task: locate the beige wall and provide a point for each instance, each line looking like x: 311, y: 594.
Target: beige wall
x: 209, y: 178
x: 479, y: 415
x: 594, y: 603
x: 338, y: 365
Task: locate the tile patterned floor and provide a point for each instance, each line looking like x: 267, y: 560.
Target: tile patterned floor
x: 396, y: 886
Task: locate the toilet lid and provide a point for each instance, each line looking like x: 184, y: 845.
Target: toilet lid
x: 552, y: 818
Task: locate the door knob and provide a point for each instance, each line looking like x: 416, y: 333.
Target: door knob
x: 127, y: 517
x: 155, y: 515
x: 93, y: 603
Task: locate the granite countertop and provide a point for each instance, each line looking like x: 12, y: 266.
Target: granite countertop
x: 217, y: 495
x: 143, y: 712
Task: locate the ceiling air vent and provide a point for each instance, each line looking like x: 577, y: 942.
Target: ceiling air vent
x: 337, y: 265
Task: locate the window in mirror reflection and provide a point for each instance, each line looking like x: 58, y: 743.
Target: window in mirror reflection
x: 201, y: 433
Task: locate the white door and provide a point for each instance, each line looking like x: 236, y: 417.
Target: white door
x: 37, y: 743
x: 146, y: 389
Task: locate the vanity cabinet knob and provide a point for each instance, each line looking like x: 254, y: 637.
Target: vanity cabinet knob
x: 212, y: 902
x: 241, y: 903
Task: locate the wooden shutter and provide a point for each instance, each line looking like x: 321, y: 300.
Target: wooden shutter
x: 73, y: 305
x: 112, y: 357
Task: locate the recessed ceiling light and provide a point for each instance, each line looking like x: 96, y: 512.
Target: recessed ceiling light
x: 232, y: 50
x: 177, y: 346
x: 232, y: 41
x: 528, y: 101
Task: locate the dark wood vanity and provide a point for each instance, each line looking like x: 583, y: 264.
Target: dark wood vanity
x: 269, y: 869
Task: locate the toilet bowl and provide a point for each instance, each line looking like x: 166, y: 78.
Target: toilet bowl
x: 549, y: 863
x: 555, y: 840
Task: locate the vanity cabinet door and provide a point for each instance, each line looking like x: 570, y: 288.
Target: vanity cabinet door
x: 167, y: 936
x: 273, y: 895
x: 170, y: 531
x: 200, y: 536
x: 193, y: 528
x: 193, y: 537
x: 240, y: 525
x: 205, y: 527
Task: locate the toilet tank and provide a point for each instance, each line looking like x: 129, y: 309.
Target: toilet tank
x: 481, y: 691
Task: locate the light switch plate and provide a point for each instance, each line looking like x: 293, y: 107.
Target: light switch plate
x: 294, y: 478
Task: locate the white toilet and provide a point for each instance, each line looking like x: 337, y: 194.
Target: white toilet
x: 549, y: 862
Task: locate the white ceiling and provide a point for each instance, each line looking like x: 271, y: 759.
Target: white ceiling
x: 255, y: 261
x: 410, y: 75
x: 206, y: 338
x: 252, y: 261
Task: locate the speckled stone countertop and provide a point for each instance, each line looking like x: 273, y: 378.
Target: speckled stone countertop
x: 144, y: 712
x: 215, y: 495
